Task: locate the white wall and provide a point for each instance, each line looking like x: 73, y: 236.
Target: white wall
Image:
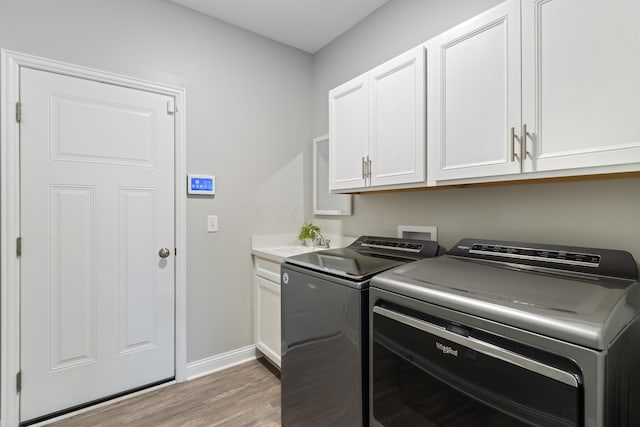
x: 248, y: 121
x: 595, y: 213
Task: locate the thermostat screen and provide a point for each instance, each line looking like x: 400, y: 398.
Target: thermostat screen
x: 201, y: 184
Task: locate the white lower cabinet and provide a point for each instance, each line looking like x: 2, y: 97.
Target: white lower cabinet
x: 266, y: 281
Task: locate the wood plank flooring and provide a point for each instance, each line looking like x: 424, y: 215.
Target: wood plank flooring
x: 244, y: 395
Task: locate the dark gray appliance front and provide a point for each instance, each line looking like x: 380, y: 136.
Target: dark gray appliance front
x: 324, y: 322
x: 322, y: 345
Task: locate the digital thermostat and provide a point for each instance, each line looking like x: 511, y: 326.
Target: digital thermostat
x: 201, y: 184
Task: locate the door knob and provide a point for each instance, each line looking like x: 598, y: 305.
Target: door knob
x: 164, y: 252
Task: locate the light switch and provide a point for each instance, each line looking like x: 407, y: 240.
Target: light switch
x: 212, y: 223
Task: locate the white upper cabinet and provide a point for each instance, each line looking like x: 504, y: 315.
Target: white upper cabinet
x: 397, y: 120
x: 581, y: 83
x: 562, y: 72
x: 348, y: 134
x: 377, y: 126
x: 528, y: 89
x: 474, y: 96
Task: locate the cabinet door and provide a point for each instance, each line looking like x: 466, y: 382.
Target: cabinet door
x: 397, y: 120
x: 474, y: 96
x: 348, y: 134
x: 581, y: 83
x: 267, y: 312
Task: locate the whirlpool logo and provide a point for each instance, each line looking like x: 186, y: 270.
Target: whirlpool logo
x: 445, y: 349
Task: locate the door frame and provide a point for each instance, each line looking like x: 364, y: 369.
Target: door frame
x: 10, y: 63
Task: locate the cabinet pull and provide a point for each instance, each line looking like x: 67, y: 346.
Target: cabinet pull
x: 369, y: 169
x: 513, y: 144
x: 363, y: 174
x: 523, y: 142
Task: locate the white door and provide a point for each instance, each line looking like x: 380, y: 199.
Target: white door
x: 97, y: 204
x: 348, y: 134
x: 581, y: 84
x: 397, y: 118
x: 474, y: 96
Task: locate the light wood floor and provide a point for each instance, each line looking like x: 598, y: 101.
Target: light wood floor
x: 244, y: 395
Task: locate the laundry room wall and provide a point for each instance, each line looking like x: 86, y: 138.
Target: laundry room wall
x: 592, y: 213
x: 248, y: 122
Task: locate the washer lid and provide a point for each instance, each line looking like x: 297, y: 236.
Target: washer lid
x: 345, y: 262
x: 583, y: 309
x: 367, y: 256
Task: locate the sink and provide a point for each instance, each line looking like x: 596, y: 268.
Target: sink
x: 285, y: 251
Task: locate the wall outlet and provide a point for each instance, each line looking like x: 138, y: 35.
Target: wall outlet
x: 212, y: 223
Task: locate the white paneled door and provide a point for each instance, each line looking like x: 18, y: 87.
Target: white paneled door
x: 97, y: 207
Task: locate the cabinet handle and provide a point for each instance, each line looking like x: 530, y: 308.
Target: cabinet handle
x: 369, y: 169
x: 363, y: 174
x: 523, y: 142
x: 513, y: 144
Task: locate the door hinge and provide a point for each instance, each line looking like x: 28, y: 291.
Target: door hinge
x: 18, y: 112
x: 19, y: 381
x: 19, y: 246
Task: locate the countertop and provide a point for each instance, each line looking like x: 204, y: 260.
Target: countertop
x: 276, y: 247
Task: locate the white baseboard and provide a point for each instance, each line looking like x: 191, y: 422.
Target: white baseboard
x: 221, y: 361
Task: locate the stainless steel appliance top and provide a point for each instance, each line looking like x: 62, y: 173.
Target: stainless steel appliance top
x: 584, y: 296
x: 366, y: 256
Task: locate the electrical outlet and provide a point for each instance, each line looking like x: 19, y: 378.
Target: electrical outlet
x: 212, y: 223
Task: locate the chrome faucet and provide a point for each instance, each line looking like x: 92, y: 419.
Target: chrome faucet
x: 320, y: 241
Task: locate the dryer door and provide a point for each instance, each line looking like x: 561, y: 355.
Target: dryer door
x: 428, y: 372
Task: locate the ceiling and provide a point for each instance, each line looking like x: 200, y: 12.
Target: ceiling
x: 308, y: 25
